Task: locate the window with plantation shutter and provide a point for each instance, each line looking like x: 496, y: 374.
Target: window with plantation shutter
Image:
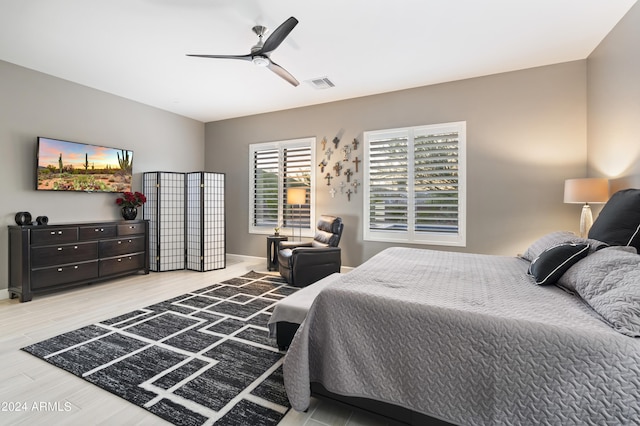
x: 415, y: 185
x: 275, y: 167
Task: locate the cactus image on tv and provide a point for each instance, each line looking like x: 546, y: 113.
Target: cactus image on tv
x: 72, y: 166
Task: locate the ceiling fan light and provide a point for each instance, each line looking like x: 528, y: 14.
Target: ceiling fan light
x: 260, y: 61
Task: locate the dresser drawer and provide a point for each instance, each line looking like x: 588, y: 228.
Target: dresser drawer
x: 51, y: 235
x: 121, y: 264
x: 63, y: 253
x: 95, y: 232
x: 50, y: 277
x: 131, y: 229
x: 121, y: 246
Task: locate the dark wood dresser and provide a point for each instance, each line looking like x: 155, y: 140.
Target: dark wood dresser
x: 51, y: 257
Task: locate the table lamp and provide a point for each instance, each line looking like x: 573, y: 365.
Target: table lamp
x: 585, y: 191
x: 297, y: 196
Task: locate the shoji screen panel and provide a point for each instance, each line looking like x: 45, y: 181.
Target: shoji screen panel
x: 165, y: 210
x: 206, y: 231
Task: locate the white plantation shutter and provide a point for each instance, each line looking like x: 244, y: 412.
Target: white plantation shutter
x: 297, y: 172
x: 436, y: 167
x: 265, y: 187
x: 275, y: 167
x: 414, y: 184
x: 388, y: 176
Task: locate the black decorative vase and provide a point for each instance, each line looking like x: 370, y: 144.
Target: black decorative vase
x: 129, y: 213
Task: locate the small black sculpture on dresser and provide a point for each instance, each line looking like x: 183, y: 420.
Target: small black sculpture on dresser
x: 23, y: 218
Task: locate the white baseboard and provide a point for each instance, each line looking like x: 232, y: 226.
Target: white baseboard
x: 244, y: 258
x: 4, y: 294
x: 234, y: 258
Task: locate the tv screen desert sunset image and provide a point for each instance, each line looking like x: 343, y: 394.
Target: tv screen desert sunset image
x: 72, y: 166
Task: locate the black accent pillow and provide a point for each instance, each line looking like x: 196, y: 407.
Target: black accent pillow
x: 618, y: 224
x: 552, y: 263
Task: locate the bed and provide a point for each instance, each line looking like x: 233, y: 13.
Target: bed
x: 549, y: 338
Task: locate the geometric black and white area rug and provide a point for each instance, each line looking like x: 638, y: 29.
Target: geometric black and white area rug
x: 202, y: 358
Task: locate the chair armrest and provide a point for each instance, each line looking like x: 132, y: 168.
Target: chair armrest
x: 304, y: 250
x: 293, y: 244
x: 310, y: 264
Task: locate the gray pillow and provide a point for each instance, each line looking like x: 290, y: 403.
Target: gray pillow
x: 547, y: 241
x: 609, y: 281
x: 569, y: 279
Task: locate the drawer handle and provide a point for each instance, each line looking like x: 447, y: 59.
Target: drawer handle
x: 132, y: 227
x: 60, y: 249
x: 54, y: 232
x: 119, y: 260
x: 61, y: 269
x: 119, y: 242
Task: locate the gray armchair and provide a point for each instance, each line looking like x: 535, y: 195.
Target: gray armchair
x: 303, y: 263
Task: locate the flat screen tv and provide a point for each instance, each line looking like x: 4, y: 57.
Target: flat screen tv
x: 72, y: 166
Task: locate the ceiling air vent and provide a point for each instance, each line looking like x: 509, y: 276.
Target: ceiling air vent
x: 320, y: 83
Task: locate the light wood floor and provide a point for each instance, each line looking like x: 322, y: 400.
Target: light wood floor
x: 50, y: 396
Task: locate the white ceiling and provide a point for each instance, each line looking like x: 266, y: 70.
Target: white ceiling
x: 136, y: 48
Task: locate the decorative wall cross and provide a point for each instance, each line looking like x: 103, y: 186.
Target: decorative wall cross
x: 328, y: 153
x: 337, y: 168
x: 346, y: 150
x: 332, y: 191
x: 342, y: 186
x: 324, y: 143
x: 357, y: 162
x: 355, y: 185
x: 355, y: 143
x: 348, y: 173
x: 322, y: 165
x: 336, y: 141
x: 349, y: 195
x: 328, y: 177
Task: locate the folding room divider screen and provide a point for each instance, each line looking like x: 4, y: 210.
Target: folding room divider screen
x: 205, y: 221
x: 186, y: 220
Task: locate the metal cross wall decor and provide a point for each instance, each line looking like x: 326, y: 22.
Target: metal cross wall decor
x: 337, y: 168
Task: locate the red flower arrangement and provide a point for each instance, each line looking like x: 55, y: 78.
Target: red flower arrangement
x: 131, y: 199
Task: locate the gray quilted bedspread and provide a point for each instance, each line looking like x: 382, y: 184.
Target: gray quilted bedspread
x: 466, y: 338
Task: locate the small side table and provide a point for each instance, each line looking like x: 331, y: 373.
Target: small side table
x: 272, y: 251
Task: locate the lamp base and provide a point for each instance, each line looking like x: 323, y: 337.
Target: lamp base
x: 586, y: 220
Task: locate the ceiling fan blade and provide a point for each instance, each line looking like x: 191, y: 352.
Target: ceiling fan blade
x: 243, y: 57
x: 282, y: 73
x: 278, y: 35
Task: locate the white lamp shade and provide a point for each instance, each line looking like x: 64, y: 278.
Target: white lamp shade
x: 296, y: 195
x: 586, y: 190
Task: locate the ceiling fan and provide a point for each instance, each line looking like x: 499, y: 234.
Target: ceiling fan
x: 260, y: 52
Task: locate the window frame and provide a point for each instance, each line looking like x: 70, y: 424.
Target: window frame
x: 281, y: 146
x: 410, y: 235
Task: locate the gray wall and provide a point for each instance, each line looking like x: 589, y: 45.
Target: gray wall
x: 34, y: 104
x: 614, y: 101
x: 526, y: 134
